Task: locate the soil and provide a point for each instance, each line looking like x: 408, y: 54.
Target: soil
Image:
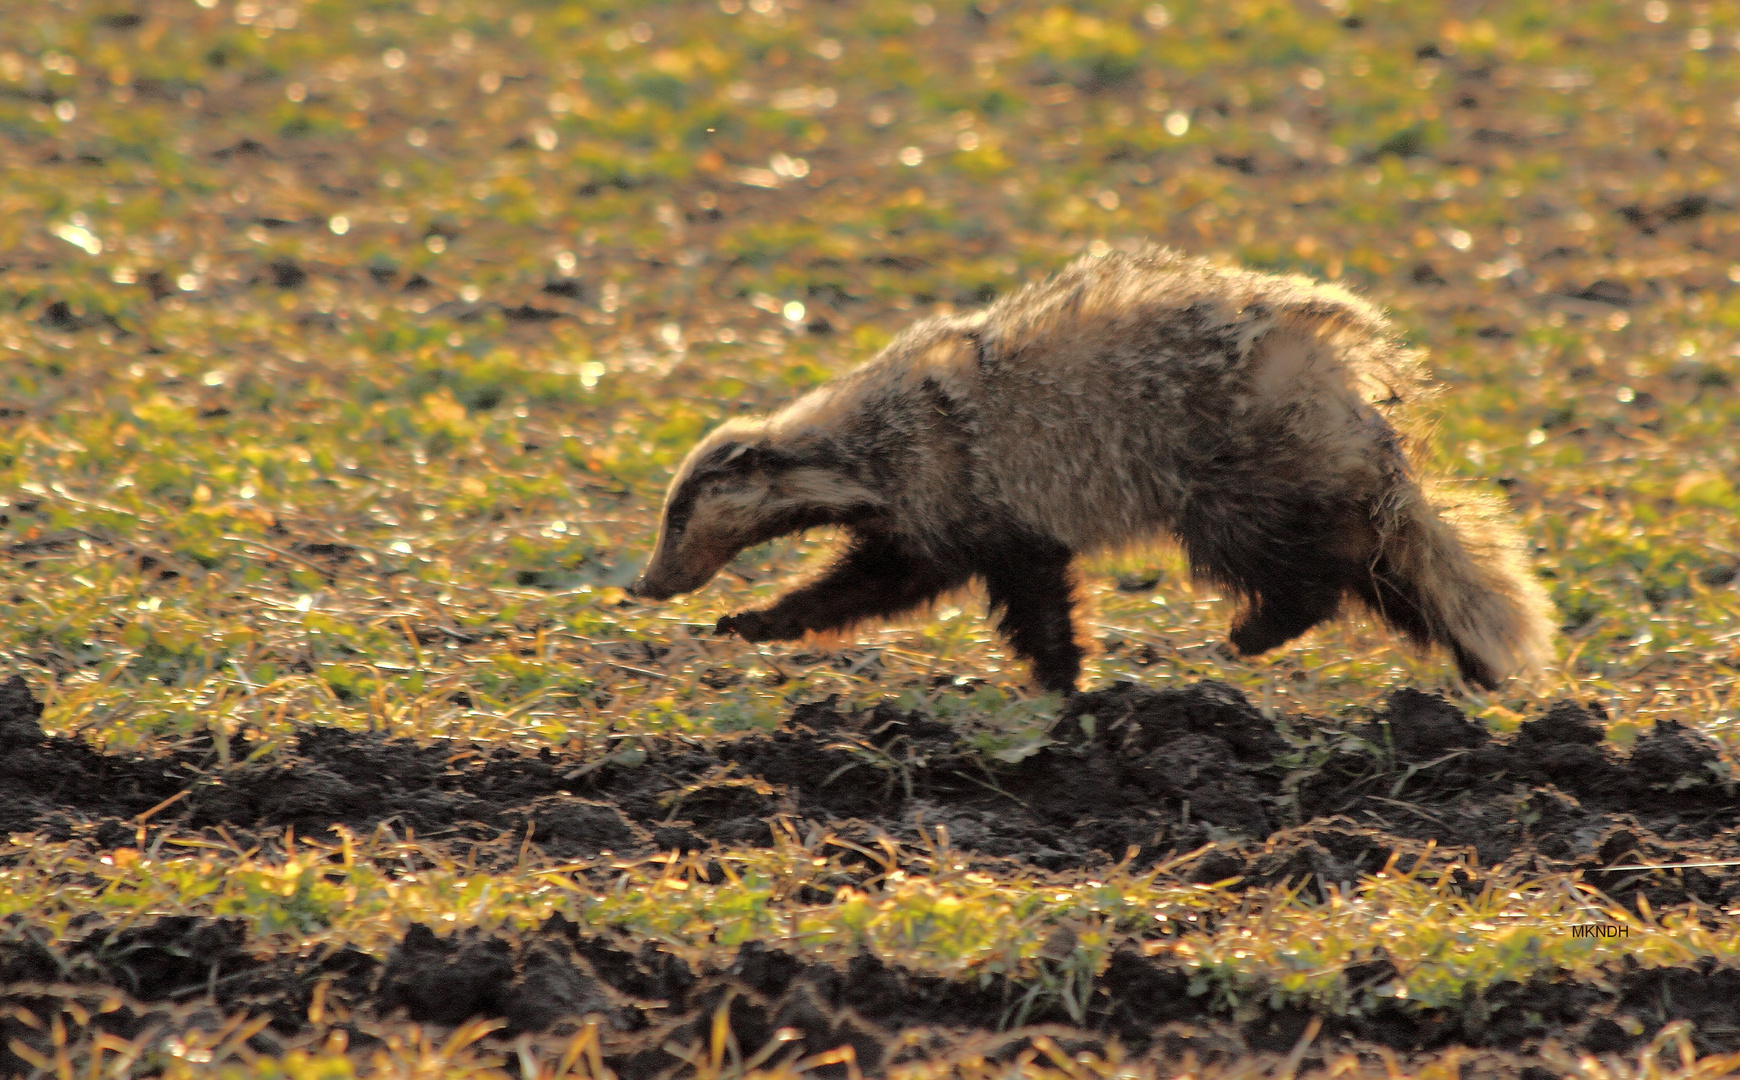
x: 1132, y: 770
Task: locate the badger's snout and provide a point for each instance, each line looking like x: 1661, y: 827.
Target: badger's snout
x: 664, y: 578
x: 646, y: 590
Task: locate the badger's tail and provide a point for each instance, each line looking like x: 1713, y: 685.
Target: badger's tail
x: 1450, y: 571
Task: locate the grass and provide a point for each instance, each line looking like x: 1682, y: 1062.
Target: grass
x: 929, y: 911
x: 418, y: 1054
x: 345, y: 350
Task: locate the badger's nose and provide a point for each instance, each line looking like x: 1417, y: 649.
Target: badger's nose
x: 643, y: 589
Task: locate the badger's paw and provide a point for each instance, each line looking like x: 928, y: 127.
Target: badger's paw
x: 748, y: 625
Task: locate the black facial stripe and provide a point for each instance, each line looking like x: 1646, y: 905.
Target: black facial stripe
x: 682, y: 508
x: 682, y: 504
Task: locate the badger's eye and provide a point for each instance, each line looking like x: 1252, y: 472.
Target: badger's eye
x: 677, y: 520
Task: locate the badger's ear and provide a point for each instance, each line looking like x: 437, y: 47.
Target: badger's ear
x: 745, y: 458
x: 759, y: 457
x: 719, y: 458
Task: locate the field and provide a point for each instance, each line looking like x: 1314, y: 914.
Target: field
x: 346, y: 349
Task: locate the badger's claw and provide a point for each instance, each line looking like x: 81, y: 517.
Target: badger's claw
x: 748, y: 625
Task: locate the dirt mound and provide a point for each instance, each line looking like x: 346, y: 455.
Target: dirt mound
x: 447, y: 981
x: 19, y: 713
x: 172, y: 965
x: 1555, y: 796
x: 44, y: 782
x: 648, y: 1001
x: 1157, y: 771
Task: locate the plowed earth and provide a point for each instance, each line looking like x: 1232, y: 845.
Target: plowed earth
x: 1162, y: 772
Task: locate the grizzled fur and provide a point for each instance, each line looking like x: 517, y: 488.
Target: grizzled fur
x: 1258, y: 420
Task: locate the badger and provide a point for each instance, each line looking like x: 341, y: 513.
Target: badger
x: 1267, y: 424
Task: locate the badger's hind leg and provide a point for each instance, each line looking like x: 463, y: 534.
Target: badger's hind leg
x: 1277, y: 614
x: 1034, y: 587
x: 1292, y: 575
x: 876, y: 578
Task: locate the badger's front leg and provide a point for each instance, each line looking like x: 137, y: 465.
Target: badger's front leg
x: 879, y: 576
x: 1034, y: 586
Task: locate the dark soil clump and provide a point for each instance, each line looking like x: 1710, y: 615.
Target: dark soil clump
x: 647, y: 1001
x: 1129, y: 770
x: 1160, y: 772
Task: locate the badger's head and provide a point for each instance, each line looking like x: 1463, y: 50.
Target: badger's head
x: 746, y: 483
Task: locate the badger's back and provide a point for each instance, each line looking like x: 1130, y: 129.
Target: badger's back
x: 1104, y: 404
